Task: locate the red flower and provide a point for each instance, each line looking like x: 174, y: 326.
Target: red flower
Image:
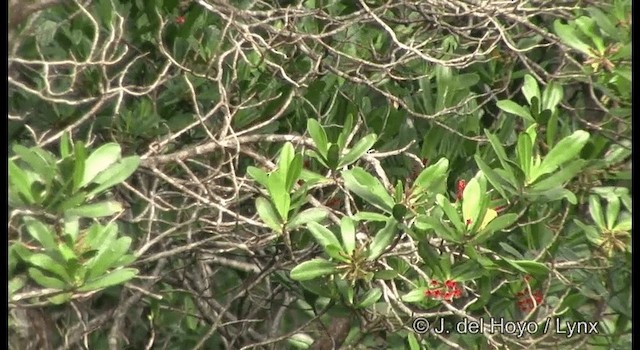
x: 435, y: 283
x: 428, y: 292
x: 450, y: 284
x: 448, y: 295
x: 180, y: 20
x: 461, y: 185
x: 457, y: 293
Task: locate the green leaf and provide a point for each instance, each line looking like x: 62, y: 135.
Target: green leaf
x: 324, y: 237
x: 555, y: 194
x: 19, y: 180
x: 295, y: 168
x: 399, y: 211
x: 37, y: 162
x: 279, y: 195
x: 587, y: 26
x: 47, y: 282
x: 360, y: 148
x: 558, y: 179
x: 333, y: 156
x: 472, y: 198
x: 300, y: 341
x: 107, y: 256
x: 603, y: 22
x: 551, y: 96
x: 71, y: 227
x: 624, y: 224
x: 311, y: 269
x: 595, y: 209
x: 529, y: 267
x: 46, y: 263
x: 312, y: 178
x: 370, y: 298
x: 307, y: 216
x: 98, y: 235
x: 467, y: 80
x: 524, y: 153
x: 567, y: 149
x: 345, y: 289
x: 114, y: 175
x: 65, y: 145
x: 499, y: 223
x: 369, y: 216
x: 386, y: 275
x: 496, y: 180
x: 467, y: 271
x: 363, y: 184
x: 112, y: 278
x: 382, y: 239
x: 336, y: 253
x: 568, y: 36
x: 80, y: 157
x: 268, y: 215
x: 190, y: 308
x: 618, y: 152
x: 552, y: 129
x: 530, y: 88
x: 41, y: 233
x: 287, y: 153
x: 99, y: 161
x: 502, y: 156
x: 432, y: 175
x: 259, y: 175
x: 450, y: 211
x: 313, y: 154
x: 97, y: 210
x: 68, y: 254
x: 71, y: 202
x: 489, y: 216
x: 348, y: 232
x: 415, y: 295
x: 60, y: 299
x: 399, y: 192
x: 514, y: 108
x: 424, y: 222
x: 613, y: 210
x: 346, y: 130
x: 15, y: 284
x: 319, y: 136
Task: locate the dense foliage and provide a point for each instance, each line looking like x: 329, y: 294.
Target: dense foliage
x: 319, y: 174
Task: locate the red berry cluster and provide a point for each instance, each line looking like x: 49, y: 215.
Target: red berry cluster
x: 448, y: 290
x: 525, y: 301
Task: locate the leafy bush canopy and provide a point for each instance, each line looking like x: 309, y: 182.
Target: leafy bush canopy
x: 319, y: 174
